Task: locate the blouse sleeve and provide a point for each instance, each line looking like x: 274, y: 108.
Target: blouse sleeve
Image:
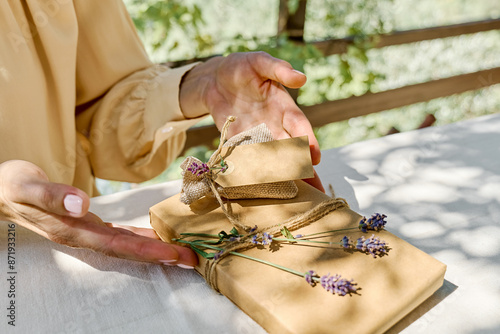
x: 127, y: 108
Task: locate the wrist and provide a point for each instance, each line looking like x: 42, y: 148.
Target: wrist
x: 195, y: 86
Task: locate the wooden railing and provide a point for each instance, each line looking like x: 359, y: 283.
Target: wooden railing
x: 338, y: 110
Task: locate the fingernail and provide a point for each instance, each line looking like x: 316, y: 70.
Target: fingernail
x: 73, y: 204
x: 184, y: 266
x: 299, y: 72
x: 167, y: 262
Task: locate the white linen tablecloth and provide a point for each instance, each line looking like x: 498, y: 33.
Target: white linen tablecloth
x: 440, y: 188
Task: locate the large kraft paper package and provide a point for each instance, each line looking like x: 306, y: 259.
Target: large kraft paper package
x: 390, y: 286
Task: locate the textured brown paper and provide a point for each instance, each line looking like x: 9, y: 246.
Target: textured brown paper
x: 391, y: 286
x: 275, y: 161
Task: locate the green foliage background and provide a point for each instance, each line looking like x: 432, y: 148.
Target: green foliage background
x: 174, y: 30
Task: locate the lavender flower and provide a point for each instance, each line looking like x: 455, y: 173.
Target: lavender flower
x: 198, y: 169
x: 264, y: 239
x: 298, y: 236
x: 372, y: 245
x: 359, y: 243
x: 309, y: 276
x: 253, y: 229
x: 267, y: 239
x: 363, y: 226
x: 337, y: 284
x: 375, y: 223
x: 218, y: 255
x: 223, y: 165
x: 346, y: 242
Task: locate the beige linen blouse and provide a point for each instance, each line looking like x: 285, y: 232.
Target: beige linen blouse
x: 79, y: 96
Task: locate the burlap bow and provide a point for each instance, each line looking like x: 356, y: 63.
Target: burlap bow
x: 196, y: 186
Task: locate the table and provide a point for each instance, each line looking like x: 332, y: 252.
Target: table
x: 440, y: 188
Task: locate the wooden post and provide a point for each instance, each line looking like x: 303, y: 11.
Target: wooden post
x: 292, y: 24
x: 296, y: 21
x: 282, y: 17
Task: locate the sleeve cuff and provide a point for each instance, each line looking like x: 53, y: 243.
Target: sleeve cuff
x: 164, y: 93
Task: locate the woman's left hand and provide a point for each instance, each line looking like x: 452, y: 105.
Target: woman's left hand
x: 249, y: 86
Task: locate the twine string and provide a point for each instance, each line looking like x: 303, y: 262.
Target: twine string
x: 214, y: 159
x: 232, y: 218
x: 223, y: 134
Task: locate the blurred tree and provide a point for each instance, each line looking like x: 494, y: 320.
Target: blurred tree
x: 175, y: 29
x: 171, y: 26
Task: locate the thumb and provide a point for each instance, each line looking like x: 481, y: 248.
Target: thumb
x: 276, y: 69
x: 28, y: 184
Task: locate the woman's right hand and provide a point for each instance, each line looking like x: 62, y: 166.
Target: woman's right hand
x: 59, y: 212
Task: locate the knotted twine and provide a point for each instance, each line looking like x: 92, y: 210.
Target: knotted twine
x: 195, y: 187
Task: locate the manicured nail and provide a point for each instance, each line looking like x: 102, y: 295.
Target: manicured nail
x: 184, y: 266
x: 167, y: 262
x: 299, y: 72
x: 73, y: 204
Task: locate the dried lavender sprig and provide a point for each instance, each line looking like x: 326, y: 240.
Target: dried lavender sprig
x: 197, y: 169
x: 338, y: 285
x: 261, y: 240
x: 334, y: 284
x: 375, y: 223
x: 201, y: 169
x: 372, y: 245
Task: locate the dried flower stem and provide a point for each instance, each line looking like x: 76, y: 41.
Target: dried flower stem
x: 289, y: 270
x: 333, y: 284
x: 326, y: 232
x: 308, y: 241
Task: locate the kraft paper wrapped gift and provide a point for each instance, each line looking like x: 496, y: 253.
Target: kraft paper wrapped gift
x: 390, y: 286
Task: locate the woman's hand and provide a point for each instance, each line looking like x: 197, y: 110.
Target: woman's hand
x: 60, y: 213
x: 250, y: 87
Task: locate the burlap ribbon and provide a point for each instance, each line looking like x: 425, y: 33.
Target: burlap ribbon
x: 196, y: 186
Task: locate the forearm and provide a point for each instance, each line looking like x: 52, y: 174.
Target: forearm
x: 137, y: 128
